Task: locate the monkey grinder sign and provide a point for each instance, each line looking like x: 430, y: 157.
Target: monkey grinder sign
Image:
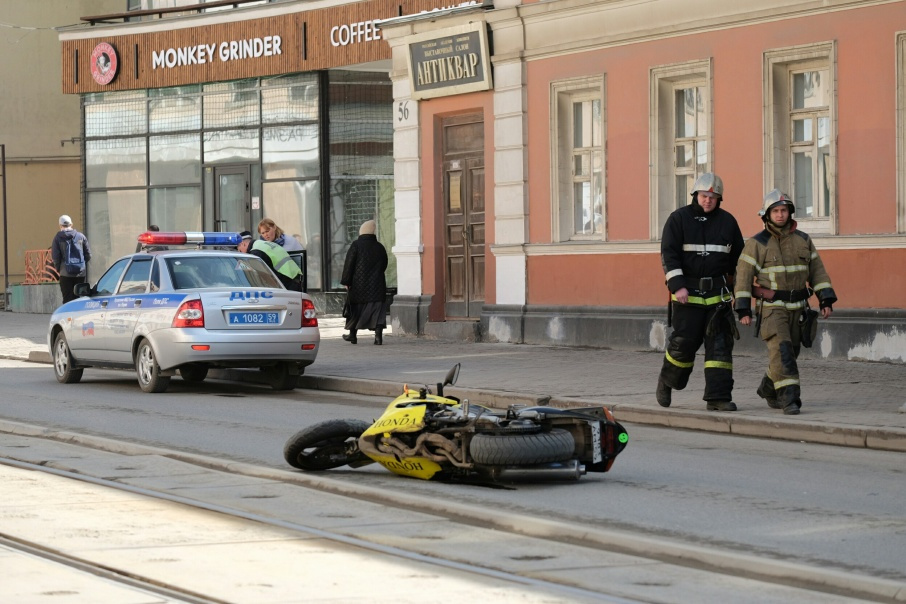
x: 454, y: 63
x: 104, y: 63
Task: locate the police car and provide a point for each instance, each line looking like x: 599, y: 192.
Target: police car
x: 184, y: 311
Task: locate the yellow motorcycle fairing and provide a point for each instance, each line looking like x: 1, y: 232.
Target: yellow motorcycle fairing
x: 405, y: 414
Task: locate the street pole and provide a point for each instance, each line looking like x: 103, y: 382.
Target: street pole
x: 5, y: 238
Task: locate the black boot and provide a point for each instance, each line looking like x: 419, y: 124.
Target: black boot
x: 350, y: 337
x: 721, y: 406
x: 663, y: 394
x: 378, y: 337
x: 766, y: 391
x: 788, y: 400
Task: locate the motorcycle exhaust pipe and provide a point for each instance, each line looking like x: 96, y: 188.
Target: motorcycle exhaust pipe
x: 560, y: 470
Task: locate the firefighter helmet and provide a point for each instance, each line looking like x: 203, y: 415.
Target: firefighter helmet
x: 773, y: 199
x: 709, y: 182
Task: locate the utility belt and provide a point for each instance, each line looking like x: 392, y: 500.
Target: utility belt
x: 782, y: 295
x: 706, y: 284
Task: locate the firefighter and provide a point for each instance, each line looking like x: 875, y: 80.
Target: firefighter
x: 780, y: 268
x: 699, y: 249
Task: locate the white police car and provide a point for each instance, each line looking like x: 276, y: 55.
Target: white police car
x: 184, y: 311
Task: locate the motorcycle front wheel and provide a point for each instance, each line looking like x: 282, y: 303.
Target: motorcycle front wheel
x: 522, y: 449
x: 325, y: 445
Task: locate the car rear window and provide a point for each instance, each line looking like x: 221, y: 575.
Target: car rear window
x: 200, y: 272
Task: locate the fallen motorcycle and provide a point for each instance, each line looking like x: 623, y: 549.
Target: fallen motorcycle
x: 433, y: 436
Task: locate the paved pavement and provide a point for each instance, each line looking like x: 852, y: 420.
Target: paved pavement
x: 846, y: 403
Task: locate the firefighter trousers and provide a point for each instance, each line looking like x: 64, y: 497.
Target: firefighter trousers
x: 690, y: 329
x: 780, y: 332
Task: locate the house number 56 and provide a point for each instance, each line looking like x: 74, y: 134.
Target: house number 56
x: 403, y: 111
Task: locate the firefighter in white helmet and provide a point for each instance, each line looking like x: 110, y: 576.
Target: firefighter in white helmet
x: 699, y: 249
x: 780, y: 268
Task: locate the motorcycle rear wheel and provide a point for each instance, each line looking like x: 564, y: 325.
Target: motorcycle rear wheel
x: 325, y: 445
x: 522, y: 449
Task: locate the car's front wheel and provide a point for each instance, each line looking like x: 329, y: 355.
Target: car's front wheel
x: 62, y: 362
x: 148, y: 371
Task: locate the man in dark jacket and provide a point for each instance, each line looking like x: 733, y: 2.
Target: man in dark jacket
x: 363, y: 276
x: 68, y: 246
x: 699, y: 249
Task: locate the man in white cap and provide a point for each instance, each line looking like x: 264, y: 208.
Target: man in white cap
x: 70, y: 254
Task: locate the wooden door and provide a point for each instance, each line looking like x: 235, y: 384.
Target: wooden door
x: 464, y: 216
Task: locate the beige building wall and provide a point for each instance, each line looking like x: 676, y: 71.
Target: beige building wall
x: 39, y: 125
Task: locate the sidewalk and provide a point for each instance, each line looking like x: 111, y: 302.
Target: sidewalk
x: 852, y: 403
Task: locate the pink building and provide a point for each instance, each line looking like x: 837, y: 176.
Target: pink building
x: 540, y: 146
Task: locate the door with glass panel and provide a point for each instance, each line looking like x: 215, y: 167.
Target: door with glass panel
x: 464, y: 216
x: 232, y: 199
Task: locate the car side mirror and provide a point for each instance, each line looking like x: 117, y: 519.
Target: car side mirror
x: 81, y: 289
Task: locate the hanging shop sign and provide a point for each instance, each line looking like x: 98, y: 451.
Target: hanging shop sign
x: 454, y: 62
x: 174, y: 55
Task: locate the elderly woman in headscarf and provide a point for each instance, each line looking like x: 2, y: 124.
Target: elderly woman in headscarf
x: 363, y: 276
x: 269, y: 231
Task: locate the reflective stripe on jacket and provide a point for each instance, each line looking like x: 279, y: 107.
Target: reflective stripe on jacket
x: 283, y: 264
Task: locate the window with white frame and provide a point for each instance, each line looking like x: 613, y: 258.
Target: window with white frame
x: 680, y: 135
x: 578, y: 159
x: 799, y: 133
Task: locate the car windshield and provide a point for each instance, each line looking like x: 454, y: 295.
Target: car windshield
x: 199, y: 272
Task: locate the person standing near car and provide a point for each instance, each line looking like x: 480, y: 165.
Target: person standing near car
x: 71, y: 254
x: 699, y: 249
x: 269, y: 231
x: 781, y: 268
x: 275, y: 257
x: 363, y: 276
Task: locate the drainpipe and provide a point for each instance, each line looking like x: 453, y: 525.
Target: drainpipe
x: 5, y: 238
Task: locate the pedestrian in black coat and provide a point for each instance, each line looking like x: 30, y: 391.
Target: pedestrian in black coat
x: 363, y: 276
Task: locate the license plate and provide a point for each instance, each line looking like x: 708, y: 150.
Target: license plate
x: 254, y: 318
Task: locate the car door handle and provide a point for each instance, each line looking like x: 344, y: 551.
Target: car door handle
x: 138, y: 303
x: 104, y: 303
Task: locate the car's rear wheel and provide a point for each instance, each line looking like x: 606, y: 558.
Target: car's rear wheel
x: 148, y: 371
x: 194, y: 372
x: 62, y: 362
x: 283, y: 376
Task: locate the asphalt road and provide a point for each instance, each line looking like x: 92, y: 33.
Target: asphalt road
x: 827, y: 506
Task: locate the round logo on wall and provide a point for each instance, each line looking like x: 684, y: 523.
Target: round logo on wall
x: 104, y: 63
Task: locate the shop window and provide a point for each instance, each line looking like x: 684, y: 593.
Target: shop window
x: 174, y: 109
x: 175, y: 208
x: 360, y: 163
x: 116, y: 113
x: 799, y: 134
x: 296, y: 207
x: 117, y: 162
x: 289, y: 98
x: 681, y: 141
x: 577, y: 140
x: 231, y: 104
x: 175, y: 159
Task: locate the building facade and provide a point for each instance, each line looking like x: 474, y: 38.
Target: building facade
x: 522, y: 156
x: 212, y: 118
x: 599, y: 117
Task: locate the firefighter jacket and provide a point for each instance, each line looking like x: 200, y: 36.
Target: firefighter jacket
x: 784, y: 260
x: 695, y: 246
